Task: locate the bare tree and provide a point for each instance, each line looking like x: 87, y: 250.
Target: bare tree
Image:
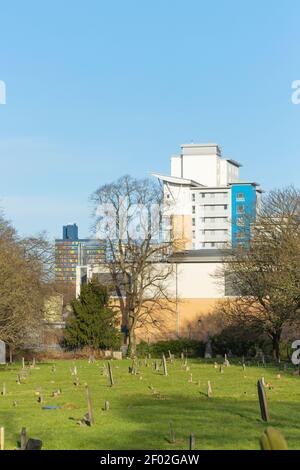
x: 21, y: 289
x: 266, y: 272
x: 128, y: 216
x: 39, y: 251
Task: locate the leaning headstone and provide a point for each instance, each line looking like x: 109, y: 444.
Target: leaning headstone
x: 110, y: 374
x: 2, y: 352
x: 208, y: 350
x: 262, y: 401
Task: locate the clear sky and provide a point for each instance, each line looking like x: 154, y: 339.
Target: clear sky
x: 98, y: 89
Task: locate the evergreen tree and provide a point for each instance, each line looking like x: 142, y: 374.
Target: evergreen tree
x: 92, y: 323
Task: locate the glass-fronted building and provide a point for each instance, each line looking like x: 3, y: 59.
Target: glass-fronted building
x: 71, y: 251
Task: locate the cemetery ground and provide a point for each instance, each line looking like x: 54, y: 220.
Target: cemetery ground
x: 147, y: 410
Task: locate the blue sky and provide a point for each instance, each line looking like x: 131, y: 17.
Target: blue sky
x: 97, y: 89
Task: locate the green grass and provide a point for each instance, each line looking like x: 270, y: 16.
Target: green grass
x: 137, y: 418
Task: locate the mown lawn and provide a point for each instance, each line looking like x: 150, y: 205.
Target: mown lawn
x: 142, y: 406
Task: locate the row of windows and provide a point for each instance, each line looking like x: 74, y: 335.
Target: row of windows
x: 239, y: 196
x: 211, y: 245
x: 210, y: 219
x: 212, y: 209
x: 209, y: 196
x: 64, y: 269
x: 212, y: 233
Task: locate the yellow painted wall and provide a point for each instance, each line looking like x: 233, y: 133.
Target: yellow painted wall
x: 182, y: 232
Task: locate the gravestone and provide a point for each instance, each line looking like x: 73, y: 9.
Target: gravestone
x: 164, y: 364
x: 34, y: 444
x: 209, y: 389
x: 2, y: 352
x: 192, y: 442
x: 263, y: 400
x: 208, y: 350
x: 110, y: 374
x: 117, y: 355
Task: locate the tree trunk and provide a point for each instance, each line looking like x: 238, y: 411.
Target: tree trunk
x: 132, y: 343
x: 276, y: 345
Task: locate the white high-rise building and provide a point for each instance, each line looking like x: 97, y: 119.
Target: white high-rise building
x: 208, y: 206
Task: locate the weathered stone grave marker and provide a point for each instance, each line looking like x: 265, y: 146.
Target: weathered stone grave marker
x: 1, y: 438
x: 262, y: 401
x: 76, y: 381
x: 172, y: 433
x: 192, y: 442
x: 34, y: 444
x: 90, y: 408
x: 226, y: 361
x: 23, y: 440
x: 208, y: 350
x: 106, y: 405
x: 209, y: 389
x: 164, y: 363
x: 110, y: 374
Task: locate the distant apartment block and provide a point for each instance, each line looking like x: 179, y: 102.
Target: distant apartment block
x: 71, y: 251
x: 208, y: 206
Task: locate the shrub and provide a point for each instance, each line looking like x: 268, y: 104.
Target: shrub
x: 192, y: 347
x: 239, y: 341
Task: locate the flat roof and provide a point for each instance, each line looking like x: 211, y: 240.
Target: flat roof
x: 199, y: 145
x: 234, y: 162
x: 200, y: 256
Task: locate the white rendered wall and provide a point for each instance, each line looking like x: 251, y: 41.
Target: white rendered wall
x: 176, y: 166
x: 194, y: 280
x: 200, y: 168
